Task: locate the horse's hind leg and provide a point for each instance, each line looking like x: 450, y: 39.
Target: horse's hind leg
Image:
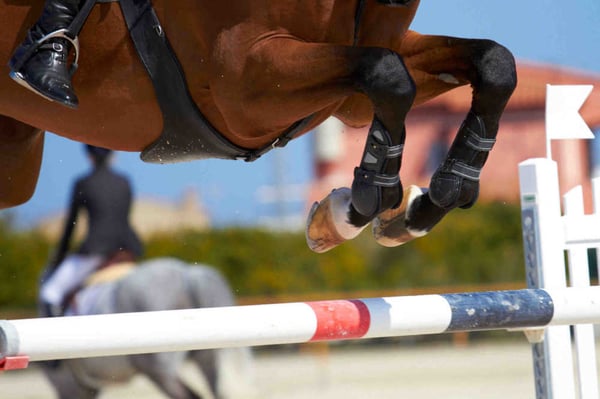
x: 21, y: 147
x: 437, y: 63
x: 206, y: 360
x: 162, y: 370
x: 66, y: 384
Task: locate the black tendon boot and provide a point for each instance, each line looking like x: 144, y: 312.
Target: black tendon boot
x: 40, y: 63
x: 378, y: 171
x: 456, y: 182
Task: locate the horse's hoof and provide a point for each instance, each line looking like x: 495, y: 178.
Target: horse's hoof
x: 327, y: 225
x: 389, y: 227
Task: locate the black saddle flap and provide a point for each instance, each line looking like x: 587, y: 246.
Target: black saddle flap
x: 186, y: 135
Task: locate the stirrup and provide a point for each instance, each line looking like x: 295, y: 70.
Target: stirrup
x: 57, y: 34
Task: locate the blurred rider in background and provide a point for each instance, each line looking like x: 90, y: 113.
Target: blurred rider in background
x: 106, y: 196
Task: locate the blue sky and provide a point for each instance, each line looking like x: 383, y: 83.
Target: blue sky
x: 565, y: 33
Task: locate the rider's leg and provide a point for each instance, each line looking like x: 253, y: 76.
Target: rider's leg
x: 41, y: 64
x: 69, y: 275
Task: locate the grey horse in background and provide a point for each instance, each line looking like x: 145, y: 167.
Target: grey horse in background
x: 158, y: 284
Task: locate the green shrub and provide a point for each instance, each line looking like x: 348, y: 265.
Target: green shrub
x: 23, y: 255
x: 476, y: 246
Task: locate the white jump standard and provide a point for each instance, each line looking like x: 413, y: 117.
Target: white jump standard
x: 561, y: 370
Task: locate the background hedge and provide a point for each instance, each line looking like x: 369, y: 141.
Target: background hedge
x: 476, y: 246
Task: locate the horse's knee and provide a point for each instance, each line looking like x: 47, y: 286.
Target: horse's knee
x: 497, y: 76
x: 383, y: 77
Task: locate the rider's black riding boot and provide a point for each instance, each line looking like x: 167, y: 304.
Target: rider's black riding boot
x: 40, y: 63
x: 456, y: 182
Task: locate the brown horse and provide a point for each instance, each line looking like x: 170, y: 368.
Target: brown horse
x: 256, y: 67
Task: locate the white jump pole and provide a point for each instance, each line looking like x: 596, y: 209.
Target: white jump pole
x: 192, y: 329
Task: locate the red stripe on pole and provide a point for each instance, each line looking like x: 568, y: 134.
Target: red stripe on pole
x: 341, y: 319
x: 14, y: 363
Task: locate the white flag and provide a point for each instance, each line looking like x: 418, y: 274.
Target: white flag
x: 563, y: 120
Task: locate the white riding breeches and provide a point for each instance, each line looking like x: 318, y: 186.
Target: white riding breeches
x: 70, y: 274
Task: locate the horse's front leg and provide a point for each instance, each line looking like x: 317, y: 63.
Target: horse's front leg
x: 490, y: 69
x: 266, y: 85
x: 382, y: 76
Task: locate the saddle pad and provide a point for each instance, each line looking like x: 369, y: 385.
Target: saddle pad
x: 108, y: 274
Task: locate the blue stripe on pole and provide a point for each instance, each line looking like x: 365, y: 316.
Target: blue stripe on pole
x: 500, y: 309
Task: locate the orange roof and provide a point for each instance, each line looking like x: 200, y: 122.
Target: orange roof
x: 531, y: 90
